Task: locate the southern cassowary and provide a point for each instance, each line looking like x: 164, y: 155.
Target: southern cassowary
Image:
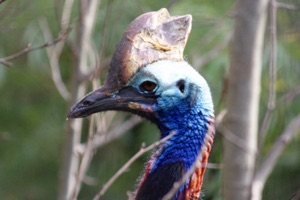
x: 168, y: 92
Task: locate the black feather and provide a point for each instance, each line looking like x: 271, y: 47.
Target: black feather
x: 160, y: 182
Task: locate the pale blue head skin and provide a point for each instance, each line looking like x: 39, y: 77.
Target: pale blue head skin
x: 183, y: 105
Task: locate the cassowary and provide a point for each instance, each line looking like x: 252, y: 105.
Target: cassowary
x: 174, y: 96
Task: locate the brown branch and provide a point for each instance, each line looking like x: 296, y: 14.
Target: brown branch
x: 1, y: 1
x: 125, y: 167
x: 295, y: 196
x: 29, y: 48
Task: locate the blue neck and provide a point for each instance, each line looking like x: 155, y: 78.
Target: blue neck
x: 189, y: 118
x: 190, y: 129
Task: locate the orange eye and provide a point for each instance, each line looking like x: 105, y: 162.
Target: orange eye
x: 148, y: 86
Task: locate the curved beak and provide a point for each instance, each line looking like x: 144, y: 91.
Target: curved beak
x: 103, y: 99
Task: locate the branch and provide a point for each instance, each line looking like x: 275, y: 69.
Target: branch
x: 235, y: 139
x: 125, y: 167
x: 102, y: 139
x: 199, y: 62
x: 272, y: 74
x: 85, y: 161
x: 105, y: 26
x: 5, y: 60
x: 66, y: 14
x: 269, y: 162
x: 70, y: 161
x: 1, y: 1
x: 53, y: 55
x: 290, y: 95
x: 295, y: 196
x: 286, y: 6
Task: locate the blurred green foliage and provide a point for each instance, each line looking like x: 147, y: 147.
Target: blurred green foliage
x: 32, y: 113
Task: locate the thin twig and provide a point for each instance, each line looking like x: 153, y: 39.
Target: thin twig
x: 214, y: 166
x: 234, y: 139
x: 53, y: 56
x: 270, y: 160
x: 125, y: 167
x: 105, y: 26
x: 290, y: 95
x: 286, y: 6
x: 29, y: 48
x: 199, y: 62
x: 272, y: 74
x: 85, y: 29
x: 220, y: 116
x: 85, y: 161
x: 102, y: 139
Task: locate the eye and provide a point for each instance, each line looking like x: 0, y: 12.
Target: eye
x: 181, y: 85
x: 148, y: 86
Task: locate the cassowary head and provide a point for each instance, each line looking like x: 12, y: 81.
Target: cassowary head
x: 148, y: 77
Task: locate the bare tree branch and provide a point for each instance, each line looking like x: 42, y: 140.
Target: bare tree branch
x: 71, y: 160
x: 85, y: 161
x: 125, y: 167
x: 290, y: 95
x: 295, y: 196
x: 29, y: 48
x: 270, y: 161
x: 105, y: 26
x: 272, y: 74
x: 1, y: 1
x: 242, y: 98
x: 286, y: 6
x: 118, y: 131
x: 66, y: 14
x: 199, y: 62
x: 236, y: 140
x: 53, y: 56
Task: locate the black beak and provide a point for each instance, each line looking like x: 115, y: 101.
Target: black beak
x: 126, y: 99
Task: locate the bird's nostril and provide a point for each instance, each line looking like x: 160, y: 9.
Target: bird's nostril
x: 87, y: 102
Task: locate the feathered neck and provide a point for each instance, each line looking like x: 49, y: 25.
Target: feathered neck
x: 193, y: 134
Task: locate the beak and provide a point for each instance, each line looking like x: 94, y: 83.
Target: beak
x: 126, y: 99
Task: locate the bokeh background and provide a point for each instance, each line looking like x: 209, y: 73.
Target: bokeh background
x: 33, y: 122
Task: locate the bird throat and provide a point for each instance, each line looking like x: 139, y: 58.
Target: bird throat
x: 188, y: 148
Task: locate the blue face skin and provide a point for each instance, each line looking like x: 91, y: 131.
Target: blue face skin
x: 183, y: 105
x: 189, y: 120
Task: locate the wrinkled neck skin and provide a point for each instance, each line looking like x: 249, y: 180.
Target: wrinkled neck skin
x: 190, y: 130
x: 190, y: 122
